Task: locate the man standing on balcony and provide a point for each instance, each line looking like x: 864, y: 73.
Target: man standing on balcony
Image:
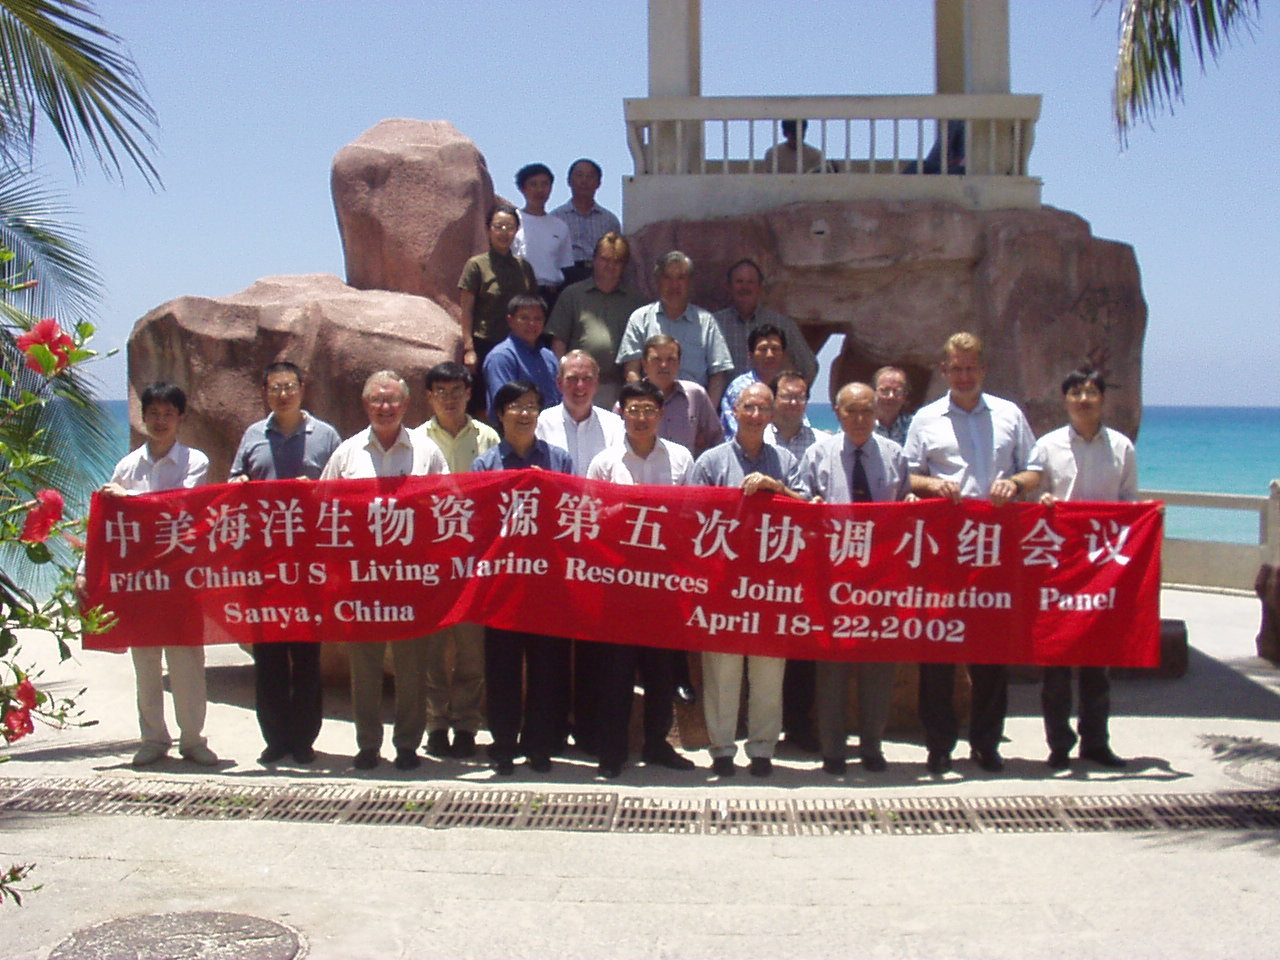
x: 744, y: 314
x: 1082, y: 461
x: 587, y: 220
x: 967, y: 444
x: 704, y: 356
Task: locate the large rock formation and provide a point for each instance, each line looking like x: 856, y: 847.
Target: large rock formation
x: 411, y: 198
x: 898, y: 278
x: 215, y: 348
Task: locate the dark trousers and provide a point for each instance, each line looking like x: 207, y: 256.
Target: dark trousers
x: 1095, y: 708
x: 989, y: 704
x: 618, y: 666
x: 798, y: 688
x: 287, y: 693
x: 478, y: 406
x: 586, y: 693
x: 525, y: 677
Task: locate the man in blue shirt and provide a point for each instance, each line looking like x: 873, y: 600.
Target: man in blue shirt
x: 289, y: 444
x: 521, y: 356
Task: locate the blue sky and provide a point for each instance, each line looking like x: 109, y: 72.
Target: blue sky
x: 255, y: 98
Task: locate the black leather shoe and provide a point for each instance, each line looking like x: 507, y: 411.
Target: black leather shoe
x: 835, y: 766
x: 504, y: 768
x: 938, y: 762
x: 666, y: 756
x: 609, y: 771
x: 988, y: 760
x: 366, y: 760
x: 540, y: 764
x: 723, y: 766
x: 1103, y: 757
x: 408, y: 760
x: 438, y: 744
x: 761, y: 766
x: 304, y: 755
x: 464, y: 744
x: 686, y: 694
x: 1059, y: 760
x: 272, y: 754
x: 875, y: 763
x: 803, y: 741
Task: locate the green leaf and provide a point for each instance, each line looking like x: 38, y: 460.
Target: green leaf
x: 38, y: 553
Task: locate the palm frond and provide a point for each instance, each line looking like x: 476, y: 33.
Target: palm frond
x: 1154, y: 34
x: 58, y: 62
x: 36, y: 225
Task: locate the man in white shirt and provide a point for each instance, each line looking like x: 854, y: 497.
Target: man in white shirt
x: 584, y: 430
x: 543, y: 239
x: 967, y: 444
x: 576, y: 424
x: 1082, y: 461
x: 386, y: 449
x: 642, y: 458
x: 162, y: 463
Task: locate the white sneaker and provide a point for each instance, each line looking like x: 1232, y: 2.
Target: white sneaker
x: 150, y: 752
x: 200, y: 754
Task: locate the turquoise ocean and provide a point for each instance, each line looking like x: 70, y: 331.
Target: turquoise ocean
x: 1188, y: 449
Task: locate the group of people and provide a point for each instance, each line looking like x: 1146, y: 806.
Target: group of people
x: 608, y: 387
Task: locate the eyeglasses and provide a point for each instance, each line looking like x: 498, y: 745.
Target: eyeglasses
x: 519, y: 409
x: 384, y: 401
x: 448, y: 393
x: 754, y: 408
x: 283, y: 389
x: 890, y: 391
x: 641, y: 410
x: 504, y: 227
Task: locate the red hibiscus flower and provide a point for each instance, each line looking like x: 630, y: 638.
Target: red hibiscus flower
x: 42, y: 517
x: 47, y: 333
x: 17, y: 723
x: 26, y: 693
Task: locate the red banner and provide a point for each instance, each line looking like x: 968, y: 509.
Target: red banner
x: 701, y: 568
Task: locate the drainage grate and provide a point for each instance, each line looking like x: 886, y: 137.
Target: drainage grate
x: 645, y: 815
x: 757, y: 817
x: 482, y: 808
x: 608, y: 812
x: 572, y: 811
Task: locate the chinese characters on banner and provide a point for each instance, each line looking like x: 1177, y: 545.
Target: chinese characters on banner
x: 701, y: 568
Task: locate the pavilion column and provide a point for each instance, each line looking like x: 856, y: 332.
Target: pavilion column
x: 675, y: 70
x: 971, y: 55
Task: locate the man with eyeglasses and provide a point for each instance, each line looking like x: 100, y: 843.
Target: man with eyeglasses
x: 890, y: 386
x: 1084, y: 460
x: 289, y: 444
x: 754, y: 466
x: 591, y: 315
x: 642, y: 458
x: 455, y: 700
x: 386, y: 449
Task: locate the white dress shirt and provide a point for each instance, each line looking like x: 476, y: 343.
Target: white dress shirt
x: 582, y: 439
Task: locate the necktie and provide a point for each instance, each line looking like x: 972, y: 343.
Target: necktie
x: 861, y: 488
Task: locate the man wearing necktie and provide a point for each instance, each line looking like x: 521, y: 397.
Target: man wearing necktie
x: 855, y: 466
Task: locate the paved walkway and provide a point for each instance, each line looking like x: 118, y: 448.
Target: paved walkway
x: 392, y: 891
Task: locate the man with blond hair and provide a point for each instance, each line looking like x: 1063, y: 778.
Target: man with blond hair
x: 967, y: 444
x: 592, y: 314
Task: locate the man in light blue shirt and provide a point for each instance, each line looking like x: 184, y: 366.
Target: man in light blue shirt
x: 967, y: 444
x: 704, y: 356
x: 520, y: 356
